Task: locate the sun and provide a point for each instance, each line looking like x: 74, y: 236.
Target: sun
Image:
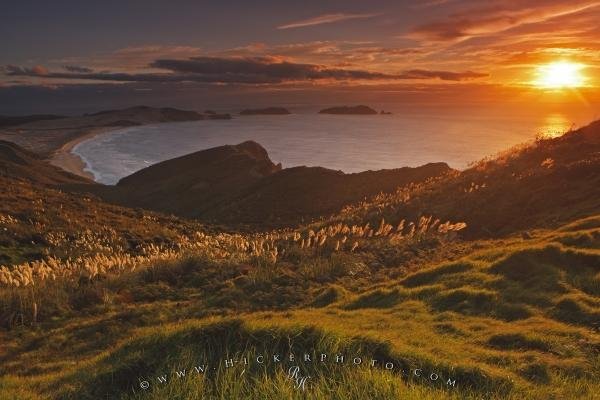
x: 559, y: 75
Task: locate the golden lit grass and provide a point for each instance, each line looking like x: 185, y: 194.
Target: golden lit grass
x: 37, y: 222
x: 33, y: 291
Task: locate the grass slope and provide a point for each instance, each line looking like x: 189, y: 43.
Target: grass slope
x: 38, y: 220
x: 543, y: 184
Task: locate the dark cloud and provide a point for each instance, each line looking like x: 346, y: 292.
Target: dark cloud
x: 140, y: 77
x: 239, y: 70
x: 269, y: 69
x: 14, y: 70
x: 443, y: 75
x: 77, y: 69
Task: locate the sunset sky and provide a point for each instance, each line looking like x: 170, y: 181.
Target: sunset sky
x: 179, y: 51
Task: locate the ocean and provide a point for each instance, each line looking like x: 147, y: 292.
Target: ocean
x: 350, y: 143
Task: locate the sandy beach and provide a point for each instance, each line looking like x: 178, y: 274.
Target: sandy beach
x: 65, y: 158
x: 54, y: 139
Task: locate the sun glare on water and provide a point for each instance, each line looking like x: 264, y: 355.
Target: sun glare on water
x: 558, y: 75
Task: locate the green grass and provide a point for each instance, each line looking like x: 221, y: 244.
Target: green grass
x: 507, y: 319
x: 152, y: 353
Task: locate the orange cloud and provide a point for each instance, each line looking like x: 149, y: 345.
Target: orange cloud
x: 484, y: 21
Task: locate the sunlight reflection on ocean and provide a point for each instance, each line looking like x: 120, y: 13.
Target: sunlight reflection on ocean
x: 555, y: 125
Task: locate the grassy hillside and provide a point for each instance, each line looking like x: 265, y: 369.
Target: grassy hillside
x: 39, y: 220
x: 542, y: 184
x: 514, y: 319
x: 20, y: 164
x: 479, y: 284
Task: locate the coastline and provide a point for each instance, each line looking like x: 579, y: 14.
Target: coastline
x: 55, y: 139
x: 66, y: 159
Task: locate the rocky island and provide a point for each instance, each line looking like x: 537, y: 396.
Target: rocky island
x: 349, y: 110
x: 265, y: 111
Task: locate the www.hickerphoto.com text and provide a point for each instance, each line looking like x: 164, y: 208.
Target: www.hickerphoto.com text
x: 293, y: 363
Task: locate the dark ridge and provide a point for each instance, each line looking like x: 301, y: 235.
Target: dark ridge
x: 298, y: 194
x: 129, y: 109
x: 241, y: 185
x: 193, y: 184
x: 247, y: 158
x: 167, y: 113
